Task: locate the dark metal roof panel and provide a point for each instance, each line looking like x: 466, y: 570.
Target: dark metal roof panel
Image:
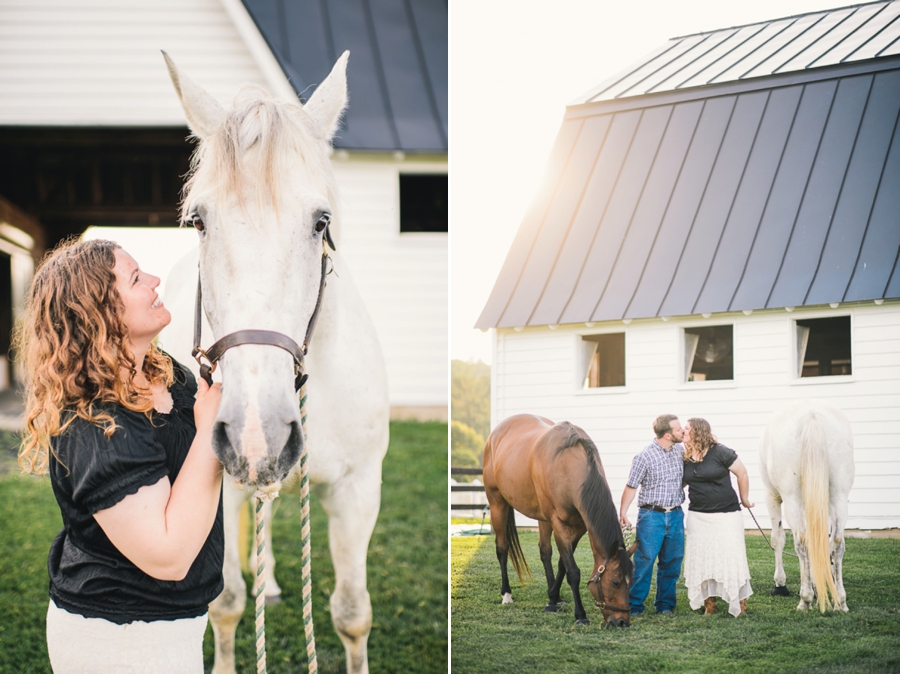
x: 708, y: 227
x: 785, y: 197
x: 769, y: 139
x: 747, y: 168
x: 398, y: 64
x: 651, y: 210
x: 573, y: 253
x: 618, y: 214
x: 822, y: 190
x: 864, y: 173
x: 877, y: 260
x: 797, y: 43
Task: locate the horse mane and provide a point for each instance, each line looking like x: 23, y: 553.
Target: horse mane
x: 598, y: 506
x: 281, y: 132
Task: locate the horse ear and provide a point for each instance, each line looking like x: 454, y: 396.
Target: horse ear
x: 328, y: 101
x: 204, y: 114
x: 631, y: 548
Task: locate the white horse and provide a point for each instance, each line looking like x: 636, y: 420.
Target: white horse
x: 806, y: 461
x: 262, y: 196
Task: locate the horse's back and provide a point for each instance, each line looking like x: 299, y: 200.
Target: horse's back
x: 782, y: 441
x: 522, y: 462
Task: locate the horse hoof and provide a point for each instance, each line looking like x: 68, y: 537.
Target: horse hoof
x: 780, y: 591
x: 551, y: 608
x: 582, y: 621
x: 507, y: 599
x: 273, y: 599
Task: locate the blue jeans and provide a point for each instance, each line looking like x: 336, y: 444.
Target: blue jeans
x: 659, y: 535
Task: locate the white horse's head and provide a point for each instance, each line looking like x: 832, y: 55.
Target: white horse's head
x: 261, y: 194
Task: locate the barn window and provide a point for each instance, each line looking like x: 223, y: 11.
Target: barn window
x: 709, y: 353
x: 823, y: 347
x: 423, y: 202
x: 604, y: 360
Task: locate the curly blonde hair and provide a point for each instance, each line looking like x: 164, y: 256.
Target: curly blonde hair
x: 70, y: 343
x: 701, y: 440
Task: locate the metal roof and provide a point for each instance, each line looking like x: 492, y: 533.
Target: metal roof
x: 731, y: 197
x: 397, y: 75
x: 795, y: 43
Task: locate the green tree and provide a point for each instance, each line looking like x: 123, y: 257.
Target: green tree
x: 466, y: 446
x: 470, y: 395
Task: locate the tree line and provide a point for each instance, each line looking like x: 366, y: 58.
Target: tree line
x: 470, y: 412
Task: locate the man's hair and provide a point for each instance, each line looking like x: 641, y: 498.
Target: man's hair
x: 663, y: 424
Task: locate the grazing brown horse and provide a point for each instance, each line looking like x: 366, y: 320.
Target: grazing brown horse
x: 552, y: 473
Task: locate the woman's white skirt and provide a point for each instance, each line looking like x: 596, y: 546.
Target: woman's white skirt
x: 79, y: 645
x: 715, y: 559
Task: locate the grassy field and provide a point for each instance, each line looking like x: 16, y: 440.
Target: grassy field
x: 407, y: 572
x: 772, y: 638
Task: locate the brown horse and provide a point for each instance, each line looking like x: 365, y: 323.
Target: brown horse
x: 552, y: 473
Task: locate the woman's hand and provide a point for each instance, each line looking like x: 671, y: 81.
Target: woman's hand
x: 746, y: 503
x: 206, y: 405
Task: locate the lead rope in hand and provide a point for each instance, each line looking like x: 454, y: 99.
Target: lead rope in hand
x: 260, y: 584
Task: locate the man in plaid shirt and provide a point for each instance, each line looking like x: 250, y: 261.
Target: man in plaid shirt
x: 657, y: 470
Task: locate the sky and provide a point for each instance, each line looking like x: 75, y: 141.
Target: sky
x: 514, y: 65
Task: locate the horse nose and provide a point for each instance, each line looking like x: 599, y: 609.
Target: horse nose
x: 618, y: 622
x: 258, y: 453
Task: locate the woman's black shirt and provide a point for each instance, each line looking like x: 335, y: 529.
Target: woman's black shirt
x: 88, y: 575
x: 709, y: 482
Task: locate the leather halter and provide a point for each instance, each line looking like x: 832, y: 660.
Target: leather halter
x: 265, y: 337
x: 602, y: 604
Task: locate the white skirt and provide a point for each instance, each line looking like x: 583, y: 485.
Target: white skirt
x: 715, y: 559
x: 79, y: 645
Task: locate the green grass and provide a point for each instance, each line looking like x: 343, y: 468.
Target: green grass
x: 407, y: 569
x: 772, y: 638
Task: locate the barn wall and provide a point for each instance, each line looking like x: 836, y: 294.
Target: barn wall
x: 536, y: 371
x: 402, y: 277
x: 98, y: 62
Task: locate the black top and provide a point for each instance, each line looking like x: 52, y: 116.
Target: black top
x: 88, y: 575
x: 709, y: 483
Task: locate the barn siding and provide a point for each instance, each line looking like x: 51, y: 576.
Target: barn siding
x: 535, y: 372
x: 97, y: 62
x: 403, y: 278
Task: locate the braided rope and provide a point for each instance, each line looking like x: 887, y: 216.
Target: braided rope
x: 306, y: 555
x: 261, y: 497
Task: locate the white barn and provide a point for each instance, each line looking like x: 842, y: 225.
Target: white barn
x: 718, y: 234
x: 92, y: 134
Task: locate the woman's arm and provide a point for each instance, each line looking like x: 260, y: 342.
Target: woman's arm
x: 162, y: 527
x: 743, y: 479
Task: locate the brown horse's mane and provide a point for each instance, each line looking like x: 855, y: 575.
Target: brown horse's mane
x: 596, y: 498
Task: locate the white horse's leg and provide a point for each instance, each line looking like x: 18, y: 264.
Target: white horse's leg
x: 795, y: 516
x: 778, y: 538
x: 352, y: 506
x: 837, y: 552
x: 272, y: 591
x: 226, y: 610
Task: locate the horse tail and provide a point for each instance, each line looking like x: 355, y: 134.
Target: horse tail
x: 515, y: 547
x: 815, y: 488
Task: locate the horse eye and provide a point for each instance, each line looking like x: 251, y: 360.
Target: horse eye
x: 616, y: 583
x: 196, y: 221
x: 322, y: 222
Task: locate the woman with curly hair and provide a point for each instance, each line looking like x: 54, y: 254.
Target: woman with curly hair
x: 125, y: 434
x: 715, y: 557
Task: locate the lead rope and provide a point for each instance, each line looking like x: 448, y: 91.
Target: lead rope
x: 260, y: 584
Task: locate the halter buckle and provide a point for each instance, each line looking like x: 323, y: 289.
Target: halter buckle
x: 199, y: 353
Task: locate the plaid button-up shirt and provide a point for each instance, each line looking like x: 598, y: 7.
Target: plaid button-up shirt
x: 658, y: 471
